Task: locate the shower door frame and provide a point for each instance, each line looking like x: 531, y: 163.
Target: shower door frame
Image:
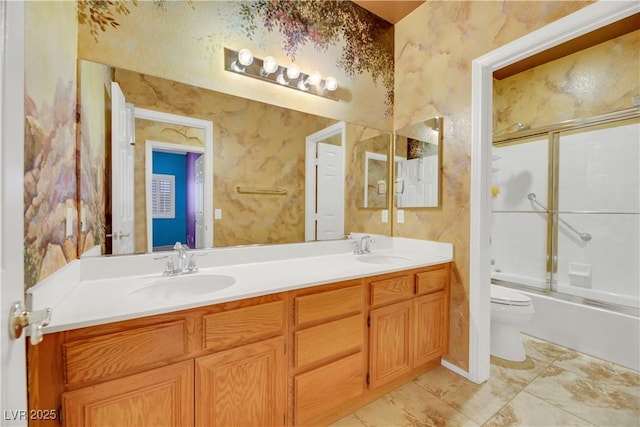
x: 553, y: 133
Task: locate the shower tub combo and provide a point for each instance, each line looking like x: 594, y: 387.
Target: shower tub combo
x: 566, y: 231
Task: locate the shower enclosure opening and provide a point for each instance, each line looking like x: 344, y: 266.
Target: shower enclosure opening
x: 566, y: 210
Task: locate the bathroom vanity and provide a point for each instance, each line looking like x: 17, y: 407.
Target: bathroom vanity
x: 296, y: 355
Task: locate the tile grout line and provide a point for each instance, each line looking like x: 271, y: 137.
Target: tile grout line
x: 443, y: 402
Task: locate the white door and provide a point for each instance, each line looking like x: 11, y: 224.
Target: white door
x: 13, y: 389
x: 420, y: 182
x: 122, y: 158
x: 199, y: 193
x: 330, y: 193
x: 330, y: 204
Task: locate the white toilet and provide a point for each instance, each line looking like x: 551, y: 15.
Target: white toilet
x: 509, y: 311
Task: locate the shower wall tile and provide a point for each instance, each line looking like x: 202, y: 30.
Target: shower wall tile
x: 599, y: 170
x: 434, y: 48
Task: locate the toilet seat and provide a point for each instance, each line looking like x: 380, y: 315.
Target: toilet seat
x: 500, y: 295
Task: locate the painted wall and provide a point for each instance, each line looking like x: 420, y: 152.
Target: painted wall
x: 166, y: 232
x: 594, y: 81
x: 50, y: 138
x: 188, y: 40
x: 434, y: 48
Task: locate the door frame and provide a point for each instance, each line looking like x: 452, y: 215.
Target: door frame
x: 13, y: 365
x: 207, y: 127
x: 310, y: 188
x: 585, y: 20
x: 168, y: 147
x: 368, y: 155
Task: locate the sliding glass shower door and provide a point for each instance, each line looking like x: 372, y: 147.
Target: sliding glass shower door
x: 596, y: 222
x: 520, y: 228
x: 566, y: 209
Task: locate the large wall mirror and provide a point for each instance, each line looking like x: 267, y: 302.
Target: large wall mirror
x: 418, y: 164
x: 237, y: 166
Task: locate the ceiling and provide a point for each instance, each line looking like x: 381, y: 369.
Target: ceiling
x: 390, y: 10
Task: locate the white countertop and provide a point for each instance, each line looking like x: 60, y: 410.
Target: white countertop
x: 97, y: 290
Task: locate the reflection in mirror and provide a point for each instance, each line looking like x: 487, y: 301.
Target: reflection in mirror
x: 418, y: 164
x: 255, y: 145
x: 371, y: 158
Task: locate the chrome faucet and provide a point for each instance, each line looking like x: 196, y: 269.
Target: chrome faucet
x: 363, y: 246
x: 184, y: 264
x: 181, y: 253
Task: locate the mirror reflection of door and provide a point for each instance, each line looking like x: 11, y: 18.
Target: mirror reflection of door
x: 324, y: 184
x: 175, y: 191
x: 122, y: 160
x: 418, y: 160
x: 375, y: 180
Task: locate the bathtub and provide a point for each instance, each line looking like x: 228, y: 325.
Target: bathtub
x: 600, y: 332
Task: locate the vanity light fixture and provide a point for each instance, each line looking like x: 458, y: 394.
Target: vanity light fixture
x: 244, y: 58
x: 269, y: 66
x: 243, y: 62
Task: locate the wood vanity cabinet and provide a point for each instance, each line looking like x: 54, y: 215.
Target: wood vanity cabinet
x: 328, y: 361
x: 303, y: 357
x: 218, y: 365
x: 409, y: 322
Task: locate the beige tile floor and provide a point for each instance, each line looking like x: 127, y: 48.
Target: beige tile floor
x: 555, y: 386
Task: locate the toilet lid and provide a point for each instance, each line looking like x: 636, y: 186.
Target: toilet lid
x: 506, y: 296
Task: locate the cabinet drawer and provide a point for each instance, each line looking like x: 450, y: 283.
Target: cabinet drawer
x: 329, y: 339
x: 329, y: 304
x: 432, y: 280
x: 123, y: 352
x: 391, y: 290
x: 321, y: 390
x: 243, y: 325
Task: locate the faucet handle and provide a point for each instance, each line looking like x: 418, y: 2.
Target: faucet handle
x: 192, y: 268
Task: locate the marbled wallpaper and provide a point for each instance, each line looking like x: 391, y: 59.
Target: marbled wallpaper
x: 434, y: 48
x: 50, y: 138
x: 594, y: 81
x: 184, y: 41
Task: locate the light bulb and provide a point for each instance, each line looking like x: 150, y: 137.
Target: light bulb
x: 269, y: 65
x: 245, y: 57
x: 282, y: 79
x: 331, y: 84
x: 302, y: 84
x: 315, y: 78
x: 293, y: 71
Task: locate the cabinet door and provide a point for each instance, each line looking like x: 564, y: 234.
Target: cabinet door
x: 244, y: 386
x: 429, y: 327
x: 160, y: 397
x: 390, y: 342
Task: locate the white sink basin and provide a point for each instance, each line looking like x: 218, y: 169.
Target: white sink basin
x: 383, y: 259
x: 182, y: 286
